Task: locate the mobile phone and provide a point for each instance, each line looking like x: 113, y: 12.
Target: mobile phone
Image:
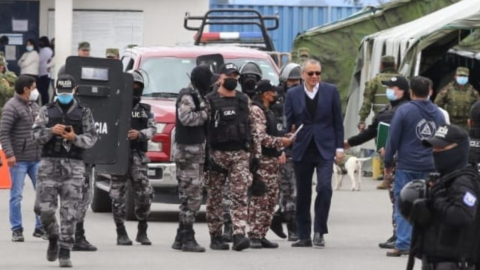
x: 68, y: 129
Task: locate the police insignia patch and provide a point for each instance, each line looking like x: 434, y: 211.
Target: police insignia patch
x: 469, y: 199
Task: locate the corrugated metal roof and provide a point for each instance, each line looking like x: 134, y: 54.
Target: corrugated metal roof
x: 293, y: 20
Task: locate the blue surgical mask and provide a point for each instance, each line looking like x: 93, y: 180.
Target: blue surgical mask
x: 65, y: 98
x: 391, y: 94
x: 29, y: 48
x: 462, y: 80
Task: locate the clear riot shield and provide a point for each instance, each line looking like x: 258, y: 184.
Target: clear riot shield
x: 107, y: 91
x: 214, y: 61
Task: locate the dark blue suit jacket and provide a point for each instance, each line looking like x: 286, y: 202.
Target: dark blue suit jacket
x: 326, y: 126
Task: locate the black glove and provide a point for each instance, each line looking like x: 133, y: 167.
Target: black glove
x: 420, y: 214
x: 254, y: 165
x: 258, y: 187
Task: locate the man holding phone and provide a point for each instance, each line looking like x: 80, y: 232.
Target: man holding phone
x: 65, y: 129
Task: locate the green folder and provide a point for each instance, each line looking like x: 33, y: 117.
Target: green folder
x: 382, y: 134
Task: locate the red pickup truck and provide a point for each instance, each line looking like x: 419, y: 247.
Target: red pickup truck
x: 166, y: 71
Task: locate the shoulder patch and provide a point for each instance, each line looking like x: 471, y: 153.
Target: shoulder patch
x: 469, y: 199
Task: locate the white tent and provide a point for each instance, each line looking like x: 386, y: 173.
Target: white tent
x: 406, y: 42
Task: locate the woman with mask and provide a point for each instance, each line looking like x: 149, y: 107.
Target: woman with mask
x: 30, y: 60
x: 265, y: 186
x: 397, y: 94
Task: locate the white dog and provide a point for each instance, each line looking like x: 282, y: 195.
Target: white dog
x: 353, y: 165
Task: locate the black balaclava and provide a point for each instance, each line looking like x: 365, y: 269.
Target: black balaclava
x: 137, y: 93
x: 249, y: 82
x: 474, y: 132
x: 453, y: 159
x: 201, y: 78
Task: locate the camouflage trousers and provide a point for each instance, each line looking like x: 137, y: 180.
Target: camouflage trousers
x: 59, y: 178
x: 189, y: 162
x: 261, y: 208
x: 138, y: 181
x: 237, y: 164
x: 288, y: 190
x: 226, y: 202
x: 392, y: 200
x: 87, y: 193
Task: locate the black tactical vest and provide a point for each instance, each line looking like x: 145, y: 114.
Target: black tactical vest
x: 187, y: 134
x: 55, y: 146
x: 139, y: 121
x: 474, y: 152
x: 447, y: 243
x: 272, y: 130
x: 229, y: 122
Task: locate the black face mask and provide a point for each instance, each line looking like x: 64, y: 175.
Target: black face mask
x: 275, y: 99
x: 451, y: 160
x: 201, y: 78
x: 137, y: 94
x: 294, y: 85
x: 248, y: 86
x: 230, y: 83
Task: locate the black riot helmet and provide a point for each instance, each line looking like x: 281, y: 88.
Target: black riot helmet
x: 137, y: 77
x: 410, y: 193
x: 290, y: 71
x: 250, y: 75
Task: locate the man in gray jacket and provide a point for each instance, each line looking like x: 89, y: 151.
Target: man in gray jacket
x: 22, y: 153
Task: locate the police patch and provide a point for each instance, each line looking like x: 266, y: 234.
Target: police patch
x: 469, y: 199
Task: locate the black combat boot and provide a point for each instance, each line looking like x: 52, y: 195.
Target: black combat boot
x: 142, y: 237
x: 217, y: 243
x: 291, y: 227
x: 64, y: 257
x: 81, y: 243
x: 52, y: 251
x: 177, y: 244
x: 267, y: 244
x: 276, y: 226
x: 189, y: 242
x: 122, y: 236
x: 240, y: 242
x: 227, y: 228
x: 255, y: 243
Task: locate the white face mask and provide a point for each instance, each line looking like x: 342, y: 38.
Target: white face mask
x: 34, y: 95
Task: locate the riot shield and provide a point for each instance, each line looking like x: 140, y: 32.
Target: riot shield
x: 107, y: 91
x: 214, y: 61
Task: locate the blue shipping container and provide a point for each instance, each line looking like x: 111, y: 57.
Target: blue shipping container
x: 292, y: 20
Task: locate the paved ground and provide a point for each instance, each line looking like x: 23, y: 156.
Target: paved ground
x: 358, y: 221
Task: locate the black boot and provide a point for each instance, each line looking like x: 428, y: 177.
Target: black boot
x: 189, y: 242
x: 64, y: 257
x: 142, y: 233
x: 227, y: 228
x: 122, y: 236
x: 389, y: 244
x: 177, y: 243
x: 276, y: 226
x: 291, y: 227
x: 240, y: 242
x: 81, y: 243
x: 217, y: 243
x: 52, y: 251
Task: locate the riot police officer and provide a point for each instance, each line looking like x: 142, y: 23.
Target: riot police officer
x: 142, y: 129
x: 446, y: 221
x: 474, y: 124
x: 290, y: 76
x: 250, y: 74
x: 65, y: 128
x: 189, y: 154
x: 232, y: 140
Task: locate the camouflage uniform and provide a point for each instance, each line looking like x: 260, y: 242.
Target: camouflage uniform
x: 226, y: 202
x: 138, y: 178
x: 7, y: 87
x: 261, y: 208
x: 288, y: 191
x: 189, y: 162
x: 457, y: 100
x: 61, y: 177
x: 240, y: 178
x: 112, y: 53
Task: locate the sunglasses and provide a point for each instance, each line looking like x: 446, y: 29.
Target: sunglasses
x: 318, y: 73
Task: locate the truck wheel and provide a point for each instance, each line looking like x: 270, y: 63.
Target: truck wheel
x: 101, y: 202
x: 130, y: 204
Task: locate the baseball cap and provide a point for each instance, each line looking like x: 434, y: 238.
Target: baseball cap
x: 398, y: 81
x: 84, y: 46
x: 65, y: 83
x: 265, y: 86
x: 388, y: 59
x: 229, y: 68
x: 462, y: 71
x: 112, y: 52
x: 446, y: 135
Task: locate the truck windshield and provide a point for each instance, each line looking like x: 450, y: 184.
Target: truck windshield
x: 168, y: 75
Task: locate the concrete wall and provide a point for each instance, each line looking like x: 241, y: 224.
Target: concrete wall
x: 163, y: 19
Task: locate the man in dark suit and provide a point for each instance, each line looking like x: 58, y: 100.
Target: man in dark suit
x: 317, y: 106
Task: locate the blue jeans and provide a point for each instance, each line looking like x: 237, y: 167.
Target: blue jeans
x: 404, y: 229
x: 18, y: 174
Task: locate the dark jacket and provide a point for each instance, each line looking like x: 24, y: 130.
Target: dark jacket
x: 15, y: 129
x: 385, y: 115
